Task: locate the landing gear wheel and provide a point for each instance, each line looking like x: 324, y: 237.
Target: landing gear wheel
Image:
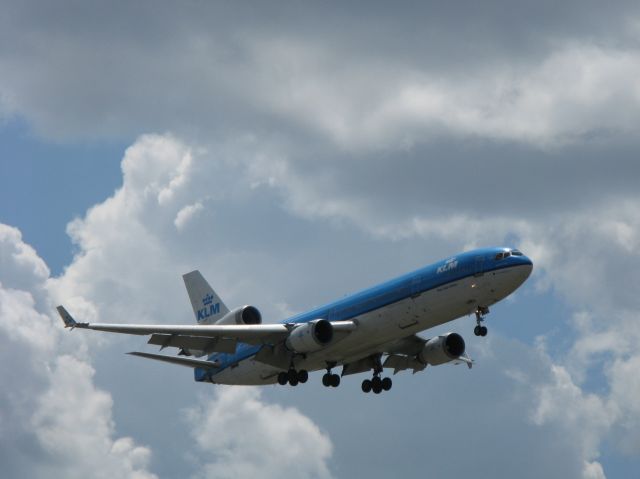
x: 293, y: 381
x: 386, y: 384
x: 326, y: 380
x: 481, y: 312
x: 292, y: 375
x: 376, y: 385
x: 335, y: 380
x: 366, y: 386
x: 283, y: 378
x: 303, y: 376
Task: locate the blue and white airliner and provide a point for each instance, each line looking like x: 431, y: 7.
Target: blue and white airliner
x: 372, y: 330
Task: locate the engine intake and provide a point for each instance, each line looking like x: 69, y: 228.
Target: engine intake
x: 310, y: 337
x: 442, y: 349
x: 242, y: 315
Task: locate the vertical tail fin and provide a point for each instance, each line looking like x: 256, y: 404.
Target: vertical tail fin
x: 207, y: 305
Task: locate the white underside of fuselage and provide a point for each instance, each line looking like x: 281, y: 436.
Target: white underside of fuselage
x: 378, y: 328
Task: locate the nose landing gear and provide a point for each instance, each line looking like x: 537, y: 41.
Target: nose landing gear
x: 481, y: 330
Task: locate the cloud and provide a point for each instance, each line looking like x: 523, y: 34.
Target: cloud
x: 574, y: 92
x: 245, y: 436
x: 186, y: 214
x: 54, y: 422
x: 20, y: 266
x: 536, y: 81
x: 141, y: 230
x: 74, y: 426
x: 149, y: 292
x: 324, y: 137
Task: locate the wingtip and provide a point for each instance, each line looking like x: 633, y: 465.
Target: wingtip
x: 67, y: 319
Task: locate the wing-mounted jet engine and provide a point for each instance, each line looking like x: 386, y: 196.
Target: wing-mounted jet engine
x: 442, y: 349
x: 310, y: 337
x: 242, y: 315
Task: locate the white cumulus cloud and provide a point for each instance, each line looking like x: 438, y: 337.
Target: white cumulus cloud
x: 54, y: 422
x: 247, y: 437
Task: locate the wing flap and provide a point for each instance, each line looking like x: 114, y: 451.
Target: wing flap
x: 400, y: 363
x: 359, y: 366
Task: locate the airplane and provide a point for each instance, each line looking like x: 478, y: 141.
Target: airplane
x: 369, y: 331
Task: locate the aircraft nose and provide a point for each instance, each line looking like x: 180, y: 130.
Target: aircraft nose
x: 526, y: 266
x: 526, y: 260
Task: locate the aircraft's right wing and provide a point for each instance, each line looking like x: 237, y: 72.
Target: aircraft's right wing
x: 250, y: 334
x: 205, y: 337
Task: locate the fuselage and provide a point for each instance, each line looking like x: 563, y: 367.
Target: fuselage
x: 388, y: 312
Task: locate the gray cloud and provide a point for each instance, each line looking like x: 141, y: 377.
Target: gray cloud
x: 308, y: 262
x: 339, y: 145
x: 382, y: 120
x: 95, y: 71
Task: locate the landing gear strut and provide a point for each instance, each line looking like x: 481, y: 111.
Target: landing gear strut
x: 329, y: 379
x: 377, y: 384
x: 480, y: 330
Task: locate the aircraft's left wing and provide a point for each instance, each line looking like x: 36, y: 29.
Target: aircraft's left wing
x: 407, y: 353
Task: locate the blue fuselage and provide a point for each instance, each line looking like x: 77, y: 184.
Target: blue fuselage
x: 432, y: 295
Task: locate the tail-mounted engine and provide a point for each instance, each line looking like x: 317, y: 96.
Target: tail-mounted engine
x: 242, y: 315
x: 310, y: 337
x: 442, y: 349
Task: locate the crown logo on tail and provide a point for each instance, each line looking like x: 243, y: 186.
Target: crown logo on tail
x: 208, y: 299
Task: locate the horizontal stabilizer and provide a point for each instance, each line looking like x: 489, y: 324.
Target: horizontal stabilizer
x: 191, y: 363
x: 194, y: 343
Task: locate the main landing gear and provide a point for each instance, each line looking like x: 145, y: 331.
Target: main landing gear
x: 293, y: 377
x: 377, y: 384
x: 329, y: 379
x: 480, y: 330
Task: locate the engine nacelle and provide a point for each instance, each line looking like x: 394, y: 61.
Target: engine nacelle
x: 242, y: 315
x: 442, y: 349
x: 310, y: 337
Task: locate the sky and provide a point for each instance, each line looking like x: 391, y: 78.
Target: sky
x: 295, y: 153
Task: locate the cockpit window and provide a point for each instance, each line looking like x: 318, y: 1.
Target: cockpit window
x: 506, y: 254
